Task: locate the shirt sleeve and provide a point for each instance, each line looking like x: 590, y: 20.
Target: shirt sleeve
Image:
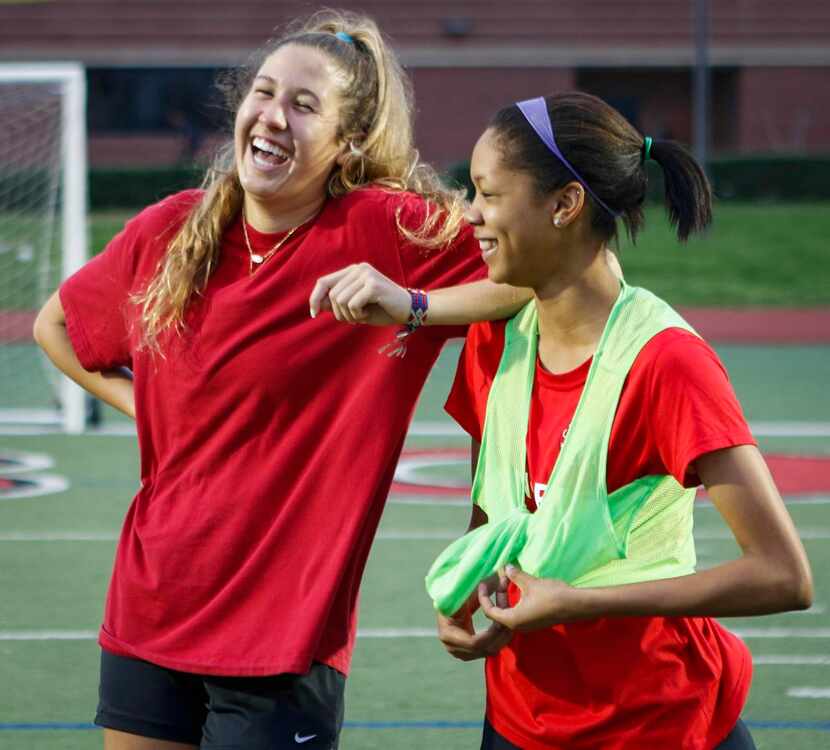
x: 693, y: 409
x: 425, y: 268
x: 477, y: 366
x: 95, y: 301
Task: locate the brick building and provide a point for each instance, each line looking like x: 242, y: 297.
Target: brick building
x: 151, y: 62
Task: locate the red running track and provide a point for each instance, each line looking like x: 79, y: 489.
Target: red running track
x: 756, y: 325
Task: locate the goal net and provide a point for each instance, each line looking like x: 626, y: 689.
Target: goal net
x: 42, y: 232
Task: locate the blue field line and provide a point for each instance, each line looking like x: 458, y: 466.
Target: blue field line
x: 813, y: 726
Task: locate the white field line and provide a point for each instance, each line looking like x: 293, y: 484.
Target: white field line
x: 407, y: 471
x: 807, y: 499
x: 790, y: 429
x: 25, y: 462
x: 111, y: 536
x: 48, y: 635
x: 390, y: 535
x: 30, y: 416
x: 822, y: 660
x: 418, y: 535
x: 58, y: 536
x: 85, y: 635
x: 759, y: 429
x: 716, y: 534
x: 809, y: 692
x: 441, y: 500
x: 781, y: 632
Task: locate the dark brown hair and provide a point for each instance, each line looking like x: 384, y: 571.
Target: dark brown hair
x: 608, y: 153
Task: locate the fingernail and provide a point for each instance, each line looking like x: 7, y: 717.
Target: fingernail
x: 510, y: 569
x: 312, y: 313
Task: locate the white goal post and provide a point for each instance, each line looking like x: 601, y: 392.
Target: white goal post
x: 43, y: 230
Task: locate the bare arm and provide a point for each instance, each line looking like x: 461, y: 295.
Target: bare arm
x: 114, y: 387
x: 362, y: 294
x: 771, y: 575
x: 457, y: 632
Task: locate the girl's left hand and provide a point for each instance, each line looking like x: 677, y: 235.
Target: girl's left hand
x: 360, y: 294
x: 544, y: 602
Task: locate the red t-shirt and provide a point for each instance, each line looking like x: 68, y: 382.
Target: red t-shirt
x: 268, y: 439
x: 617, y: 683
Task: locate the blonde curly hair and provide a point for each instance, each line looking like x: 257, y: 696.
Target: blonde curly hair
x: 376, y: 121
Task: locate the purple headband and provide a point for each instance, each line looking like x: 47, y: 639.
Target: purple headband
x: 536, y: 113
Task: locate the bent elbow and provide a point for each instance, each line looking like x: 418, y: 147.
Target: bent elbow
x: 803, y: 592
x: 797, y: 589
x: 39, y: 328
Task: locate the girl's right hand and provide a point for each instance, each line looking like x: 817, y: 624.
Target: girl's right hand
x: 458, y: 633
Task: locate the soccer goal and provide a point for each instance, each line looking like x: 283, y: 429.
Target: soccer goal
x: 43, y: 235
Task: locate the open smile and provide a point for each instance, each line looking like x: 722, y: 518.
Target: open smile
x: 488, y: 247
x: 267, y: 154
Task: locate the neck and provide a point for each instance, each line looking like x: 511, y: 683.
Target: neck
x: 269, y: 218
x: 573, y: 309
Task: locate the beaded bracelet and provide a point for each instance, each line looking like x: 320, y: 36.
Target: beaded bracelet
x: 417, y: 317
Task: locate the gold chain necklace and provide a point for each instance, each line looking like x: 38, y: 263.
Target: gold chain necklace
x: 255, y: 260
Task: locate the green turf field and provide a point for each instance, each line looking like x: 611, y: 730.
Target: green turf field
x: 754, y: 254
x: 404, y: 692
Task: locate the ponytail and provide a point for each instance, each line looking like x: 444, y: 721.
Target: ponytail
x: 688, y: 194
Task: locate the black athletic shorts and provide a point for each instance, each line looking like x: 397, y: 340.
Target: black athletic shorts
x: 304, y: 712
x: 738, y: 739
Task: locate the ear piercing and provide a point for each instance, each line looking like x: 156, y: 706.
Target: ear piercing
x: 557, y: 222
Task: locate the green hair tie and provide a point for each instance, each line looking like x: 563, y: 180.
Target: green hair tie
x: 647, y: 141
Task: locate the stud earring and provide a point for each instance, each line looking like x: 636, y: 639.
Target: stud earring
x: 557, y: 222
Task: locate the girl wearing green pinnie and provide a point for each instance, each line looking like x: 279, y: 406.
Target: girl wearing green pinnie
x: 598, y: 411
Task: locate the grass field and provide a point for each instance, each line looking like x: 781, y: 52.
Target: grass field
x: 753, y: 254
x: 404, y: 692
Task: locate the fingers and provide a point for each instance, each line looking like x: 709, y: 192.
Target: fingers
x: 466, y: 647
x: 492, y: 640
x: 463, y: 643
x: 336, y: 292
x: 457, y: 640
x: 500, y: 613
x: 318, y: 299
x: 343, y: 298
x: 518, y: 576
x: 360, y: 294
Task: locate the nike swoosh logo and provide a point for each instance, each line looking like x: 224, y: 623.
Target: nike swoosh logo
x: 300, y: 740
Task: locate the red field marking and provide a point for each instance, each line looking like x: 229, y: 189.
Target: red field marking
x: 758, y: 325
x: 794, y: 475
x: 439, y: 455
x: 16, y: 326
x: 800, y: 475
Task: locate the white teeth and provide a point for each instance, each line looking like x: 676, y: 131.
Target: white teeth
x: 487, y: 245
x: 271, y: 148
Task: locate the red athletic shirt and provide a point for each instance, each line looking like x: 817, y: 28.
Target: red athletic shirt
x: 268, y: 439
x: 618, y: 683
